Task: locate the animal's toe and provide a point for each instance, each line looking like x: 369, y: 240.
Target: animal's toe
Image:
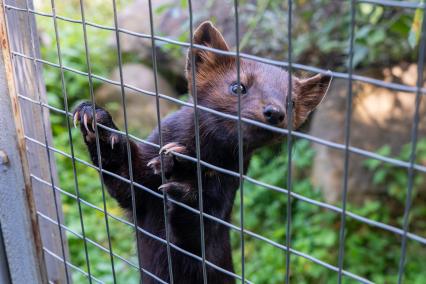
x: 155, y: 165
x: 172, y: 147
x: 175, y: 188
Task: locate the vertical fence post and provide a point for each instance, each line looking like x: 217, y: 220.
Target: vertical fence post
x: 4, y: 267
x: 20, y: 231
x: 28, y: 81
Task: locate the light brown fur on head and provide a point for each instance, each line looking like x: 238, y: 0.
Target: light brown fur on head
x: 266, y: 85
x: 310, y: 92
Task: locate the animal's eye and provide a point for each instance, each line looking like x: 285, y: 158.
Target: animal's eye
x: 235, y: 88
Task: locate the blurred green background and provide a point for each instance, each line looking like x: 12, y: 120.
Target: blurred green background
x: 384, y: 37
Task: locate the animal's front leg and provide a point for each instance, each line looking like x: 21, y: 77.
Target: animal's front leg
x: 113, y: 149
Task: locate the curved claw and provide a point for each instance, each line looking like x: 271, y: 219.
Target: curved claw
x: 113, y: 141
x: 85, y: 122
x: 171, y: 147
x: 155, y: 164
x: 150, y: 163
x: 163, y: 186
x: 177, y: 190
x: 75, y: 119
x: 176, y: 185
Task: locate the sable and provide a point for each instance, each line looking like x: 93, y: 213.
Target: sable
x: 264, y: 90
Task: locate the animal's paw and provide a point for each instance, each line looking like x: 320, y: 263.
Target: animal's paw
x: 178, y: 190
x: 169, y: 160
x: 83, y: 114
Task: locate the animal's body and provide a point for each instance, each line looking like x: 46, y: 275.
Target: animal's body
x: 263, y: 92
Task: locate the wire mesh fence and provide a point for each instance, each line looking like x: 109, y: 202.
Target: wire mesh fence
x: 11, y: 8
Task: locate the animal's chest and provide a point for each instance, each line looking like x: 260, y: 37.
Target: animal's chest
x: 220, y: 190
x: 220, y: 181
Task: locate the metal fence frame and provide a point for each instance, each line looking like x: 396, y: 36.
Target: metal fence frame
x: 411, y: 165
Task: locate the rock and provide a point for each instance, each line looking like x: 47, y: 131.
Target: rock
x: 141, y: 108
x: 380, y: 117
x: 135, y: 18
x: 172, y: 22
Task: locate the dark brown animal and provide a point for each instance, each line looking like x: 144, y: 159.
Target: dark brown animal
x: 264, y: 90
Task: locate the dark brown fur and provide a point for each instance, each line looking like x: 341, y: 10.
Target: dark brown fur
x: 266, y: 86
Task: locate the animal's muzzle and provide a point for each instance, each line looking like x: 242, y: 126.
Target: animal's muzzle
x: 273, y: 114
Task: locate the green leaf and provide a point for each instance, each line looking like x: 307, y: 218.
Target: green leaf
x: 184, y: 4
x: 379, y: 177
x: 366, y: 8
x: 376, y: 37
x: 372, y: 164
x: 360, y: 53
x: 163, y: 8
x: 385, y: 150
x: 414, y: 35
x: 363, y: 32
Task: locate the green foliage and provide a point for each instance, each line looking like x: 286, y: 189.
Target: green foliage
x: 103, y: 59
x: 265, y: 214
x: 320, y: 31
x: 381, y: 34
x: 395, y: 181
x: 369, y: 252
x: 396, y: 178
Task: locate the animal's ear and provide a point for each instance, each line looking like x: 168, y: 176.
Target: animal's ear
x: 309, y: 94
x: 207, y: 35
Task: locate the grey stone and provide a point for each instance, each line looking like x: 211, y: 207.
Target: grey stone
x: 141, y: 108
x: 172, y: 23
x: 380, y: 117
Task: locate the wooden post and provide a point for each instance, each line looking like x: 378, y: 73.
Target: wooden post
x: 4, y: 266
x: 20, y: 230
x: 26, y: 79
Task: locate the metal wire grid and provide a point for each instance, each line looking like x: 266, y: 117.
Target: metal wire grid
x: 411, y: 166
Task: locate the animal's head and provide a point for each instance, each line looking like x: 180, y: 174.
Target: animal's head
x: 263, y: 88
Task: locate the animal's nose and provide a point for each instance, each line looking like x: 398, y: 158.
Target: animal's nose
x: 273, y: 114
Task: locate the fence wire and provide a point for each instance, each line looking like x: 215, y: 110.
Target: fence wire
x: 347, y: 149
